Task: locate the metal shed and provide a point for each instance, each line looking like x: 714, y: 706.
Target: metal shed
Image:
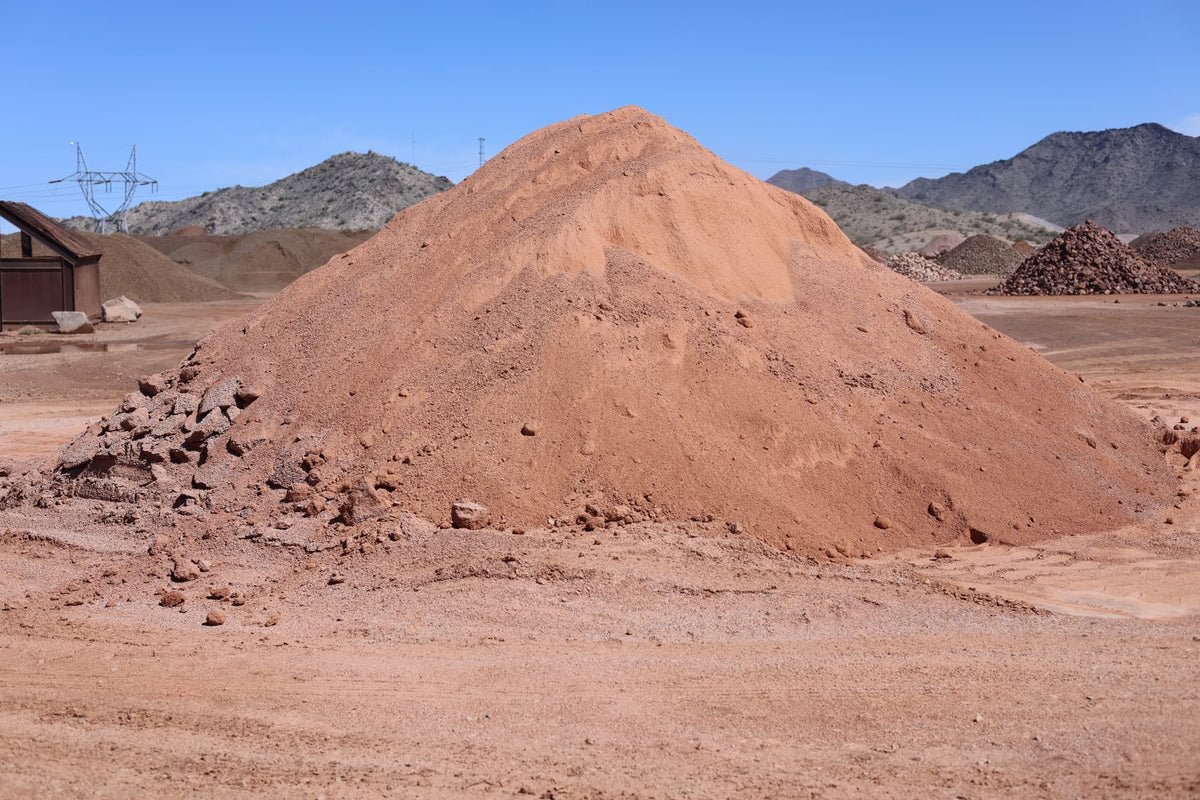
x: 32, y: 287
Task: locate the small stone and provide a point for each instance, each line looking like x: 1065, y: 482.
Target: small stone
x: 219, y: 593
x: 171, y: 598
x: 215, y: 617
x: 941, y: 554
x: 152, y: 385
x: 529, y: 429
x: 184, y: 570
x: 883, y: 523
x: 937, y: 511
x: 472, y: 516
x: 272, y: 621
x: 335, y: 579
x: 222, y: 395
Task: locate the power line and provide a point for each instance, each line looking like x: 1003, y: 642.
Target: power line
x: 88, y: 180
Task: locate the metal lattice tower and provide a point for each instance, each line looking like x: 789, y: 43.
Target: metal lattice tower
x: 88, y: 180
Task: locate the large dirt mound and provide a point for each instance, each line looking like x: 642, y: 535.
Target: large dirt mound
x: 263, y: 261
x: 1178, y: 248
x: 981, y: 255
x: 1090, y: 259
x: 609, y: 322
x: 134, y: 269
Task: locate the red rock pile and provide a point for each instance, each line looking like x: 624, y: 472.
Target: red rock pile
x: 981, y: 255
x: 1089, y: 259
x: 605, y: 324
x: 1178, y: 248
x: 940, y: 243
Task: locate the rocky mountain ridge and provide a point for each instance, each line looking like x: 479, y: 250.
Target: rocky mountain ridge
x: 349, y: 191
x: 1130, y: 180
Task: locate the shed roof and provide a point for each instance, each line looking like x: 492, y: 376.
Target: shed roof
x: 70, y: 244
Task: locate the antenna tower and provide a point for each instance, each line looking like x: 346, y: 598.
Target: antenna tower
x: 88, y: 180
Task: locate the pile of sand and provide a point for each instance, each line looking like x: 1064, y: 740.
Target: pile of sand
x: 920, y: 268
x: 1089, y: 259
x: 129, y: 267
x: 1178, y: 248
x: 981, y: 255
x: 607, y: 323
x: 263, y: 261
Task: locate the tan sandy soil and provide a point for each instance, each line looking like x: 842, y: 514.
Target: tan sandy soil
x: 634, y: 662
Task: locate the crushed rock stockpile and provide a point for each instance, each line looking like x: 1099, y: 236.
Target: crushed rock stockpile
x: 262, y: 261
x: 981, y: 255
x: 604, y: 324
x: 1090, y: 259
x: 919, y: 268
x: 1178, y: 248
x: 131, y: 268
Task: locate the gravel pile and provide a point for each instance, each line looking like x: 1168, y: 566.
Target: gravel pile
x: 1089, y: 259
x: 981, y: 255
x: 1178, y: 248
x: 920, y: 268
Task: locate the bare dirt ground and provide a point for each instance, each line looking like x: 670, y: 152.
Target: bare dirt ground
x: 636, y: 661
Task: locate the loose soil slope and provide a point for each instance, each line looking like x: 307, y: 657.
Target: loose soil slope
x: 134, y: 269
x: 563, y: 327
x: 262, y: 261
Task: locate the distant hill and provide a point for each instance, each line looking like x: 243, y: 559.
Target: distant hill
x: 877, y: 218
x: 351, y: 191
x: 802, y: 179
x: 1130, y: 180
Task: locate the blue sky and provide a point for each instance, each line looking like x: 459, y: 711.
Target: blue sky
x: 218, y: 93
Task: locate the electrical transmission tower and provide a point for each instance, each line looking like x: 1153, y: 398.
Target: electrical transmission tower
x: 88, y: 180
x: 481, y: 151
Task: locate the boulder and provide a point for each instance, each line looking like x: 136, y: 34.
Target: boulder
x: 72, y: 322
x: 472, y: 516
x: 120, y: 309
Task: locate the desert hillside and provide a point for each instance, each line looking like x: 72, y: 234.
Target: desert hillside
x: 350, y: 191
x: 1130, y: 180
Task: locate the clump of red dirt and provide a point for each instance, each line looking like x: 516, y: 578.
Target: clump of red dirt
x: 607, y: 323
x: 1089, y: 259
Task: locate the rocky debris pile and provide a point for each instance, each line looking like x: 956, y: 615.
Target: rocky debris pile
x: 1023, y: 249
x: 874, y: 253
x: 608, y: 316
x: 981, y: 255
x: 1089, y: 259
x: 1178, y: 248
x: 921, y: 269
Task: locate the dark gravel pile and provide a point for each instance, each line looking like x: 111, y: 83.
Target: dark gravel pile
x: 981, y: 255
x: 1089, y: 259
x: 1178, y: 248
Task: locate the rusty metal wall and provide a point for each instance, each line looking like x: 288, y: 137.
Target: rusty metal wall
x: 31, y: 288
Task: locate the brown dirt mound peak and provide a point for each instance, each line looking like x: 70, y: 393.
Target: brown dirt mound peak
x: 981, y: 255
x: 1089, y: 259
x: 606, y: 323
